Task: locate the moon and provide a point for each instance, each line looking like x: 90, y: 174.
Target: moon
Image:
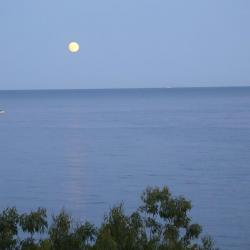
x: 73, y: 47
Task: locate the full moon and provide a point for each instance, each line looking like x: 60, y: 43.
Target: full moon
x: 73, y: 47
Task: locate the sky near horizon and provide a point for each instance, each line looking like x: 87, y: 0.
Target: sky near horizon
x: 124, y: 44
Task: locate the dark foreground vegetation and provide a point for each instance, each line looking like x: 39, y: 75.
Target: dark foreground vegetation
x: 162, y: 222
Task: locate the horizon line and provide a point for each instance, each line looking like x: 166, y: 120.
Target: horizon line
x: 128, y: 88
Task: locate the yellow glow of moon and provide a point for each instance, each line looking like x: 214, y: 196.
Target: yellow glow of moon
x: 73, y: 47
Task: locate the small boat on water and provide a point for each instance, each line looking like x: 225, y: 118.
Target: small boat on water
x: 2, y: 112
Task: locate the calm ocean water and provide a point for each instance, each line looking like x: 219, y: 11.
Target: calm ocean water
x: 87, y: 150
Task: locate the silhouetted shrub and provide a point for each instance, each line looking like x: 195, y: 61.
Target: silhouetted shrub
x: 162, y: 222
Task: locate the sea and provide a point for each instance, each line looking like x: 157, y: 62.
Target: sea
x: 87, y: 150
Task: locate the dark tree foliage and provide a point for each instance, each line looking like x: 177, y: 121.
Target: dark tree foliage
x: 9, y: 219
x: 162, y: 222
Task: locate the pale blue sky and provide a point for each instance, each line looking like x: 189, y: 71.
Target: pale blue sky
x: 124, y: 43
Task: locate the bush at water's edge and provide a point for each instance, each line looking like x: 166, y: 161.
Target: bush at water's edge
x: 162, y: 222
